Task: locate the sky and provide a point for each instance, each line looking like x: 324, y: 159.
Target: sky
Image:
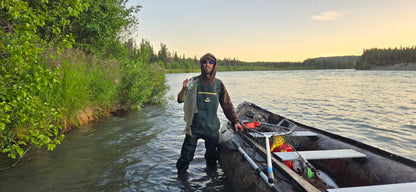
x: 276, y: 30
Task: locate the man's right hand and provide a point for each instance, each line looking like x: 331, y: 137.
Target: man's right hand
x: 185, y: 83
x: 181, y: 94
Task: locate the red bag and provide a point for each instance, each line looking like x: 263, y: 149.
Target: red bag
x: 253, y: 124
x: 284, y: 148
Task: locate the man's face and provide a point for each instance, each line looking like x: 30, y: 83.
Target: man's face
x: 208, y: 65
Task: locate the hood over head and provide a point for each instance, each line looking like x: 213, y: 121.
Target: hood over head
x: 204, y: 79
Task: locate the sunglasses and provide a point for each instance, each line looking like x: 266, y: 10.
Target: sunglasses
x: 209, y: 61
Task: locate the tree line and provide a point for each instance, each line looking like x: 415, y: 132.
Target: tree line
x: 65, y: 62
x: 173, y: 62
x: 384, y: 57
x: 370, y: 58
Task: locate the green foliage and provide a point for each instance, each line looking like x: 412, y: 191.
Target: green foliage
x: 72, y: 92
x: 46, y: 86
x: 384, y: 57
x: 157, y: 84
x: 103, y: 84
x: 24, y: 117
x: 163, y: 54
x: 141, y: 82
x: 98, y: 29
x: 85, y: 82
x: 341, y: 62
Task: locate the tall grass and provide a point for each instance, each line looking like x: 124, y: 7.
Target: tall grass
x: 88, y: 86
x: 71, y: 89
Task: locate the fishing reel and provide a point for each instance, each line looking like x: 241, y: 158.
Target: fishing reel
x: 307, y: 170
x: 303, y: 168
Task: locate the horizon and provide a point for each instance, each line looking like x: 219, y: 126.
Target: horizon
x: 286, y: 61
x: 277, y: 31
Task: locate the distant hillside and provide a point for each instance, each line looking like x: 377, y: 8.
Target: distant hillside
x: 228, y: 64
x: 335, y: 62
x: 342, y: 59
x: 387, y: 58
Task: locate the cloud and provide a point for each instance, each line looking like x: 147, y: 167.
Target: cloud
x: 326, y: 16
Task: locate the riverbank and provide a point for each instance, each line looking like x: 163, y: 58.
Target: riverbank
x: 83, y: 117
x: 399, y: 66
x: 52, y: 80
x: 73, y: 89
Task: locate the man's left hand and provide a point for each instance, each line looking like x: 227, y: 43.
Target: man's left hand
x: 238, y: 127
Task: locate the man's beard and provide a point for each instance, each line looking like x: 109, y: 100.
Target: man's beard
x: 208, y: 70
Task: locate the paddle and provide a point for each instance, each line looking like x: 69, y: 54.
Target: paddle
x: 237, y: 141
x: 270, y: 182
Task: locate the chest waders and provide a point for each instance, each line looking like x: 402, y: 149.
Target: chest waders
x: 205, y: 125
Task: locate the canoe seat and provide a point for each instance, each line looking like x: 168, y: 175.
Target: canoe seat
x: 320, y: 154
x: 304, y: 134
x: 293, y: 134
x: 402, y: 187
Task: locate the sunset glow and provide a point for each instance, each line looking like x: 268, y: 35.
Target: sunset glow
x: 277, y: 30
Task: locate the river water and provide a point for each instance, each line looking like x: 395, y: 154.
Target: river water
x: 138, y: 151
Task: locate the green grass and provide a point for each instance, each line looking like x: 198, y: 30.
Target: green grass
x: 60, y: 93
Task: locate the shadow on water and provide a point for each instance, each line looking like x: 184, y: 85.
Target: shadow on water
x: 209, y: 180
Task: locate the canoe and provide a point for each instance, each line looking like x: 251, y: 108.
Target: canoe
x: 311, y: 159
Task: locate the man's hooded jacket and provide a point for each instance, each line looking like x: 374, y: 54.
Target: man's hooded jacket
x: 223, y: 98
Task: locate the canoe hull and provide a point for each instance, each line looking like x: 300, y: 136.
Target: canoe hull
x: 379, y: 167
x: 240, y: 173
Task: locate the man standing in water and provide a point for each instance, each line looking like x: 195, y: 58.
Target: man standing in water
x: 209, y: 92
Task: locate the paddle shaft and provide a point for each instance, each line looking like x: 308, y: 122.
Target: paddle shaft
x: 269, y: 160
x: 258, y: 170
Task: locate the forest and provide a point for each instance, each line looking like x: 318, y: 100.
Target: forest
x: 174, y: 63
x: 369, y: 59
x: 385, y: 57
x: 64, y: 63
